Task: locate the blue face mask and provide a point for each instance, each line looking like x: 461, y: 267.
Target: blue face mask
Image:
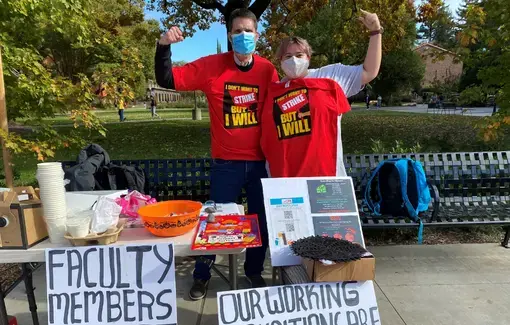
x: 243, y: 43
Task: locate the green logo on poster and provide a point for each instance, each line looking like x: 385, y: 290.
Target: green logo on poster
x: 321, y: 189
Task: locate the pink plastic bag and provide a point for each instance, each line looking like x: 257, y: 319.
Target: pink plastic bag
x: 132, y: 202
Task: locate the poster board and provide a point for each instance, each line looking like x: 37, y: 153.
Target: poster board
x: 349, y: 303
x: 227, y: 232
x: 302, y: 207
x: 123, y: 284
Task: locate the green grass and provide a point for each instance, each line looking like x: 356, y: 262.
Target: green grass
x: 136, y: 114
x: 186, y: 138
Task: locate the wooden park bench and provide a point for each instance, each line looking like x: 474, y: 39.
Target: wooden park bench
x: 467, y: 188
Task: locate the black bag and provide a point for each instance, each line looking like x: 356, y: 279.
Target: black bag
x: 95, y: 172
x: 82, y: 176
x: 127, y: 177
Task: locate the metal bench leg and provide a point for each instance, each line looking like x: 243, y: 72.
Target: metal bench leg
x: 507, y: 238
x: 3, y: 310
x: 232, y: 265
x: 275, y: 275
x: 29, y: 287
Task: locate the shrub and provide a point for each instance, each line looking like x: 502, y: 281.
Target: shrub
x: 472, y: 96
x: 414, y: 132
x: 379, y: 147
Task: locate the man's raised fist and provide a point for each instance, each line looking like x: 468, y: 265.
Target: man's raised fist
x: 172, y: 36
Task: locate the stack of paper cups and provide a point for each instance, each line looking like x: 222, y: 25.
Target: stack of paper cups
x: 53, y: 197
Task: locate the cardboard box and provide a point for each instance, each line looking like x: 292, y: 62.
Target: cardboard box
x: 360, y: 270
x: 21, y: 219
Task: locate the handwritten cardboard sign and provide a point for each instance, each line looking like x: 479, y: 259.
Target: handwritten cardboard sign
x: 343, y: 303
x: 131, y: 284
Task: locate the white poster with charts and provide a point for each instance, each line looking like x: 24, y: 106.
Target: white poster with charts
x: 302, y: 207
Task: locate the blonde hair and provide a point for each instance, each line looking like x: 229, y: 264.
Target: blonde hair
x: 293, y: 40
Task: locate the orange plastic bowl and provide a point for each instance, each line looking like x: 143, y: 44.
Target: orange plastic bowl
x: 157, y: 218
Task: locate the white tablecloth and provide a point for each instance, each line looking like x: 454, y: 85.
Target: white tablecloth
x: 182, y: 245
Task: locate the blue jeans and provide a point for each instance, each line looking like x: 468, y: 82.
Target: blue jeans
x: 121, y: 115
x: 228, y: 177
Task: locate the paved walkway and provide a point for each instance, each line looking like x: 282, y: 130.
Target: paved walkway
x: 463, y: 284
x: 474, y: 111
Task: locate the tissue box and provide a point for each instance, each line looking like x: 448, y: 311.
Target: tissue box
x: 21, y: 219
x: 360, y: 270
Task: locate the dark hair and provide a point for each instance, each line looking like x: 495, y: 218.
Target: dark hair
x: 241, y: 13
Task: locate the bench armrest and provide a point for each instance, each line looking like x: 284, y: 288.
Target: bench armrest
x: 434, y: 193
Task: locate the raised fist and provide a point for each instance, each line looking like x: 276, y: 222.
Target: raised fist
x: 172, y: 36
x: 370, y: 20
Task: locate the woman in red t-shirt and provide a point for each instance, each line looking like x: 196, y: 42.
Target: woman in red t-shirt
x: 301, y: 134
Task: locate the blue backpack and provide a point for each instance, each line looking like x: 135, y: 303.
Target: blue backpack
x: 398, y: 187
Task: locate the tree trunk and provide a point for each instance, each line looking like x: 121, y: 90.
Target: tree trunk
x: 229, y: 45
x: 4, y: 126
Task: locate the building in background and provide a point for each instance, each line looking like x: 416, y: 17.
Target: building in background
x: 441, y: 66
x: 162, y: 95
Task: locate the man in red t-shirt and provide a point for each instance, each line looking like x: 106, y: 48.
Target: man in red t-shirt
x: 235, y: 84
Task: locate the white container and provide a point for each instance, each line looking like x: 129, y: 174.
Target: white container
x: 50, y: 177
x: 79, y: 230
x: 57, y: 193
x: 55, y: 211
x: 78, y: 226
x: 42, y: 175
x: 56, y: 230
x: 46, y: 173
x: 49, y: 166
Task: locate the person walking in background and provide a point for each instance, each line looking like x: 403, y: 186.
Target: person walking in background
x: 122, y: 106
x: 119, y: 104
x: 367, y: 100
x: 235, y: 84
x: 153, y: 107
x: 379, y: 101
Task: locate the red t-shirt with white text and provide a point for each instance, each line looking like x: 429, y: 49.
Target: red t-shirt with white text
x: 300, y: 127
x: 235, y: 101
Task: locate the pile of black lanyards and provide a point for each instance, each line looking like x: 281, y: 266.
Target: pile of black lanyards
x: 319, y: 248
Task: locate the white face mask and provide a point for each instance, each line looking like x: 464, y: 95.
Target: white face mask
x: 295, y: 67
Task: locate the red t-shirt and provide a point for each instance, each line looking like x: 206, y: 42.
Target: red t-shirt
x: 235, y: 101
x: 300, y: 127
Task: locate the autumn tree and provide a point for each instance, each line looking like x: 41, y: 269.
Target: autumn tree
x: 472, y: 52
x: 335, y: 36
x: 485, y: 37
x: 437, y: 23
x: 56, y: 56
x: 401, y: 73
x: 192, y: 14
x: 332, y: 27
